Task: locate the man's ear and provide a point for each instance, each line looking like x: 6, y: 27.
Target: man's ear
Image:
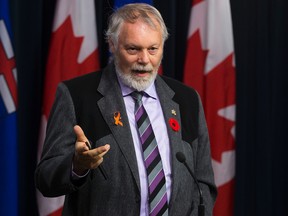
x: 112, y: 47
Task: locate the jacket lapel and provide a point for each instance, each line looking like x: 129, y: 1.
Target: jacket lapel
x: 171, y: 111
x: 111, y: 104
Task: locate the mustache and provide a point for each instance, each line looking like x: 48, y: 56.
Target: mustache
x: 145, y: 68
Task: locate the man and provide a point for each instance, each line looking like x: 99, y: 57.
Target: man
x: 104, y: 171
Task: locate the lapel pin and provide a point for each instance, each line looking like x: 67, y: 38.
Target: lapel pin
x: 174, y: 124
x: 173, y: 112
x: 117, y: 119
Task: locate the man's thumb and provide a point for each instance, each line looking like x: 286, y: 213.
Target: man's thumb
x: 79, y: 133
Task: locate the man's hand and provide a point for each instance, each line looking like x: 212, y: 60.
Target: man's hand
x: 85, y: 159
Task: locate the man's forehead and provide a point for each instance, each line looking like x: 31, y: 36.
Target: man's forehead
x: 150, y: 21
x: 136, y: 32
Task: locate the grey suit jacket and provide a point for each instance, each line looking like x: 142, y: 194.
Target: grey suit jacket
x: 91, y: 102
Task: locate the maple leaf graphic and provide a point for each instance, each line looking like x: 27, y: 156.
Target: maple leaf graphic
x: 219, y: 94
x: 62, y: 61
x: 217, y: 91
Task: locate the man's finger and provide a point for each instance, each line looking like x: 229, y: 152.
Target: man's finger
x: 99, y: 151
x: 79, y: 133
x: 103, y: 150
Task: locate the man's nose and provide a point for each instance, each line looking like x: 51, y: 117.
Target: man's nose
x: 143, y: 57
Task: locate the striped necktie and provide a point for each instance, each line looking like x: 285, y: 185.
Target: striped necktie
x: 152, y: 160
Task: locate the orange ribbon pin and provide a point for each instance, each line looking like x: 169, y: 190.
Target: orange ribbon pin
x: 117, y: 118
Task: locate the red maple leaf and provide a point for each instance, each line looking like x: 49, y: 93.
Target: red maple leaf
x: 6, y: 68
x: 217, y: 91
x: 220, y: 93
x: 62, y: 61
x: 195, y: 63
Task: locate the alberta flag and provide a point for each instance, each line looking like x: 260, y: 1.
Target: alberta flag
x: 210, y: 69
x: 8, y: 116
x: 73, y: 52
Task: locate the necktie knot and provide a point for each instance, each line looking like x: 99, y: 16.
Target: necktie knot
x: 137, y: 96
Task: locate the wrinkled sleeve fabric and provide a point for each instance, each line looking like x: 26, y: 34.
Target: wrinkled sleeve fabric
x: 53, y: 173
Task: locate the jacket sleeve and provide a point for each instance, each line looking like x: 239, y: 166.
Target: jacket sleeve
x: 203, y: 166
x: 53, y: 173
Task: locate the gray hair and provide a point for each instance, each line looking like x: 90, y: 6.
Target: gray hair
x: 131, y: 13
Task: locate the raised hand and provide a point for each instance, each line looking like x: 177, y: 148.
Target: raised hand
x: 85, y: 158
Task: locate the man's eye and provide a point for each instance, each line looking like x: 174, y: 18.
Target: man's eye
x: 132, y: 50
x: 153, y: 50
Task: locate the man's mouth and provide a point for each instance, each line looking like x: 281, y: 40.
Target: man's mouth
x: 141, y: 71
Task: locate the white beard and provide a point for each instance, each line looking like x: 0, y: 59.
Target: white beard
x: 136, y: 82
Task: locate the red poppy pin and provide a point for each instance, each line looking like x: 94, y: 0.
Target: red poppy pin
x: 174, y: 124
